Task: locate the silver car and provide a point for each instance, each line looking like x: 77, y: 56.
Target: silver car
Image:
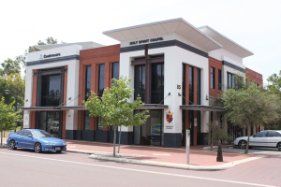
x: 267, y: 138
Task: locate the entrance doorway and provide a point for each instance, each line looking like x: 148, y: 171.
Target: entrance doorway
x: 152, y: 131
x: 50, y: 122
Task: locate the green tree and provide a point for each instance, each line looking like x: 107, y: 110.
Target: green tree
x: 10, y: 66
x: 274, y: 84
x: 274, y: 87
x: 251, y: 106
x: 8, y: 117
x: 114, y: 107
x: 11, y: 82
x: 49, y: 40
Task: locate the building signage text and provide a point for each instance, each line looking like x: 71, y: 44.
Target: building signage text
x: 51, y: 55
x: 146, y: 41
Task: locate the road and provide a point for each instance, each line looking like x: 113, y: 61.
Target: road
x: 24, y: 168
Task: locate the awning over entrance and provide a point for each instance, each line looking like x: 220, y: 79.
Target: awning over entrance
x: 202, y: 108
x: 154, y: 106
x: 53, y: 108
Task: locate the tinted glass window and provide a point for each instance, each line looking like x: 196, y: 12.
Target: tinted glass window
x: 51, y: 90
x: 87, y: 121
x: 220, y: 79
x: 22, y: 132
x: 273, y: 134
x: 101, y: 80
x: 212, y: 77
x: 191, y: 85
x: 88, y: 81
x: 115, y: 70
x: 157, y: 83
x: 261, y: 134
x: 139, y: 82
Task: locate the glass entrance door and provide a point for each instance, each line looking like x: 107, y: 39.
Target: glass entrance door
x: 150, y: 133
x: 50, y: 122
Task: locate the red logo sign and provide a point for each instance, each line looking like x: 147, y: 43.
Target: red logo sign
x: 169, y: 116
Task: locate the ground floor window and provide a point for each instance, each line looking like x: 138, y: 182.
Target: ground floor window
x: 151, y: 132
x: 49, y: 121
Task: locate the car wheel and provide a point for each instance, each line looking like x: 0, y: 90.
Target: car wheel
x: 12, y: 144
x: 242, y: 144
x: 279, y: 146
x: 37, y: 148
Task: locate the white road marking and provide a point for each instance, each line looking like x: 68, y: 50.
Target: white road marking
x: 142, y: 171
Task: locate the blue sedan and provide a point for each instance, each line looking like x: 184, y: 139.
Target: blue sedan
x: 35, y: 139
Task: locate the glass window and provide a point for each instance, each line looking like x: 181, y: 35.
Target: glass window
x: 191, y: 85
x: 115, y: 70
x: 157, y: 83
x: 139, y: 82
x: 101, y: 79
x: 88, y: 81
x: 220, y: 79
x: 99, y: 123
x: 273, y: 134
x: 51, y: 92
x: 212, y: 77
x: 199, y: 86
x: 261, y: 134
x: 86, y: 121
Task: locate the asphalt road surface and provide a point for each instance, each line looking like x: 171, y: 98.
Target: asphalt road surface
x: 24, y: 168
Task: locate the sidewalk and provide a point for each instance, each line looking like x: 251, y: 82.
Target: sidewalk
x: 200, y: 159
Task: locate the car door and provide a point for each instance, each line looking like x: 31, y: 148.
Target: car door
x: 273, y: 138
x: 20, y: 139
x: 259, y: 139
x: 26, y: 140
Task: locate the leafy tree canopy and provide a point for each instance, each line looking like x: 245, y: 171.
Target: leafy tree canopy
x: 49, y: 40
x: 10, y: 66
x: 274, y: 83
x: 115, y: 108
x: 251, y: 106
x: 8, y: 117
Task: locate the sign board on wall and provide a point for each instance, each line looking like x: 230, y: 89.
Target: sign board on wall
x: 145, y: 41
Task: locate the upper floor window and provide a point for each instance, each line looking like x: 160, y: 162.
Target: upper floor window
x: 157, y: 83
x: 191, y: 84
x: 88, y: 81
x: 234, y: 81
x: 219, y: 79
x: 139, y: 82
x: 51, y: 90
x: 101, y: 79
x: 149, y: 78
x: 212, y: 78
x: 115, y: 70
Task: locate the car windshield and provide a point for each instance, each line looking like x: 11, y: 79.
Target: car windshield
x: 40, y: 134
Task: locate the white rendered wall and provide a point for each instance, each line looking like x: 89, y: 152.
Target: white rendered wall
x: 174, y: 57
x: 72, y: 80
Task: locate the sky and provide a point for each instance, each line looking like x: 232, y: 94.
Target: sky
x: 254, y: 24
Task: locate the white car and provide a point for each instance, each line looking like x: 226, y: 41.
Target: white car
x: 267, y: 138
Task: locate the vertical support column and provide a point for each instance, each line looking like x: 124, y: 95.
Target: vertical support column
x: 147, y: 76
x: 34, y: 97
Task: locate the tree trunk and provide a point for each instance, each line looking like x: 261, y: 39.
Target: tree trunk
x: 248, y: 140
x: 211, y: 135
x: 1, y: 137
x: 119, y: 140
x: 114, y: 139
